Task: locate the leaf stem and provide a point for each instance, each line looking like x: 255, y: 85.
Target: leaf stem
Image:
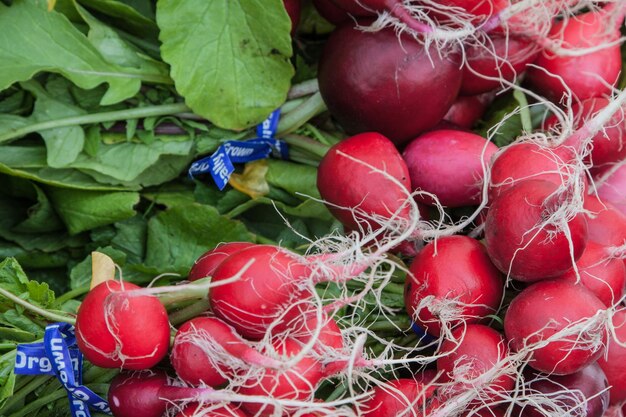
x: 23, y: 392
x: 40, y: 402
x: 304, y: 88
x: 313, y: 106
x: 43, y: 313
x: 70, y: 295
x: 189, y: 312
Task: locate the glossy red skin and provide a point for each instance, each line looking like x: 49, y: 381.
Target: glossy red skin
x: 344, y: 182
x: 207, y: 263
x: 265, y: 289
x: 372, y: 7
x: 609, y: 146
x: 293, y: 7
x: 481, y: 348
x: 487, y: 412
x: 513, y: 55
x: 542, y: 310
x: 614, y: 365
x: 613, y: 190
x: 601, y: 274
x: 587, y: 76
x: 386, y: 402
x: 196, y: 410
x: 375, y: 82
x: 447, y: 163
x: 460, y: 270
x: 331, y: 12
x: 484, y: 8
x: 142, y: 328
x: 591, y: 381
x: 137, y: 394
x: 516, y: 245
x: 467, y: 110
x: 297, y: 383
x: 607, y: 226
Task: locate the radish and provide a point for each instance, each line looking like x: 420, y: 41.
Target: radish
x: 474, y: 360
x: 205, y: 265
x: 380, y: 81
x: 582, y: 393
x: 137, y: 394
x: 612, y: 189
x: 331, y: 12
x: 482, y: 8
x: 206, y: 350
x: 355, y: 192
x: 467, y: 110
x: 557, y: 323
x: 450, y: 281
x: 502, y: 59
x: 293, y: 8
x: 522, y: 238
x: 360, y: 8
x: 400, y: 397
x: 450, y: 165
x: 588, y: 75
x: 115, y: 329
x: 600, y: 273
x: 486, y: 412
x: 607, y: 225
x: 201, y: 410
x: 614, y: 362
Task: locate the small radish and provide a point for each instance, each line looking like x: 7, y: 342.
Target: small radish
x: 202, y: 410
x: 522, y: 240
x: 607, y: 226
x: 450, y: 281
x: 205, y: 265
x: 467, y: 110
x: 137, y: 394
x: 545, y: 319
x: 400, y: 397
x: 115, y: 329
x: 614, y: 363
x: 379, y: 82
x: 612, y: 189
x: 482, y: 8
x: 449, y: 164
x: 331, y: 12
x: 293, y: 8
x: 600, y: 273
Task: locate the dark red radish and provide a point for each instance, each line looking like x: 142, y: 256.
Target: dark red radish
x: 486, y: 412
x: 381, y: 82
x: 357, y: 8
x: 520, y: 240
x: 546, y: 308
x: 587, y: 76
x: 582, y: 393
x: 467, y: 110
x: 346, y: 181
x: 297, y: 383
x: 400, y: 397
x: 607, y: 226
x: 449, y: 164
x: 331, y: 12
x: 136, y: 394
x: 482, y: 8
x: 455, y: 281
x: 614, y: 363
x: 613, y: 189
x: 116, y: 329
x: 208, y: 262
x: 203, y: 410
x: 600, y: 273
x: 293, y: 7
x: 609, y: 145
x: 475, y: 350
x: 502, y: 58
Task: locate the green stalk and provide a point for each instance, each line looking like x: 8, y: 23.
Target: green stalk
x: 189, y: 312
x: 313, y: 106
x: 7, y: 346
x: 43, y: 313
x: 304, y: 88
x: 307, y: 144
x: 20, y: 394
x: 70, y: 295
x: 28, y: 409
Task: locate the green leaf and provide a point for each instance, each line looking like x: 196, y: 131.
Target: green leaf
x: 131, y: 238
x: 229, y: 59
x: 41, y: 217
x: 84, y: 210
x: 131, y: 17
x: 294, y: 178
x: 178, y: 236
x: 14, y: 280
x: 7, y: 377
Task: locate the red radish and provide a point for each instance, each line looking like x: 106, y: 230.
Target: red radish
x: 452, y: 280
x: 479, y: 350
x: 206, y: 264
x: 137, y: 394
x: 522, y: 243
x: 467, y: 110
x: 483, y: 8
x: 197, y: 410
x: 546, y: 308
x: 345, y: 179
x: 607, y: 225
x: 503, y: 58
x: 486, y: 412
x: 331, y: 12
x: 380, y: 81
x: 356, y: 8
x: 297, y: 383
x: 115, y: 329
x: 400, y: 397
x: 591, y: 401
x: 601, y: 274
x: 199, y: 349
x: 613, y: 190
x: 449, y: 164
x: 614, y: 363
x: 589, y: 75
x: 293, y: 8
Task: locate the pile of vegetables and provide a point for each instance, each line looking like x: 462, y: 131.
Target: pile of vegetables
x: 446, y: 235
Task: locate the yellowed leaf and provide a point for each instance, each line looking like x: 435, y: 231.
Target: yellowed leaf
x: 252, y: 181
x: 51, y: 4
x: 102, y: 268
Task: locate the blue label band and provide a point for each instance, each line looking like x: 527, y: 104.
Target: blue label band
x: 58, y: 355
x: 269, y: 127
x: 424, y: 337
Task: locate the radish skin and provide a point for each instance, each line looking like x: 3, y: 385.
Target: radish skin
x: 137, y: 394
x: 614, y: 363
x: 206, y: 264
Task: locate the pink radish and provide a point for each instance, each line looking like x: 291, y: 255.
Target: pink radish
x: 600, y: 273
x: 482, y: 8
x: 293, y: 8
x: 397, y: 396
x: 452, y: 280
x: 379, y: 82
x: 522, y: 243
x: 115, y: 329
x: 449, y: 164
x: 607, y: 225
x: 614, y: 363
x: 137, y: 394
x: 467, y: 110
x: 206, y: 264
x: 613, y: 190
x: 546, y: 308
